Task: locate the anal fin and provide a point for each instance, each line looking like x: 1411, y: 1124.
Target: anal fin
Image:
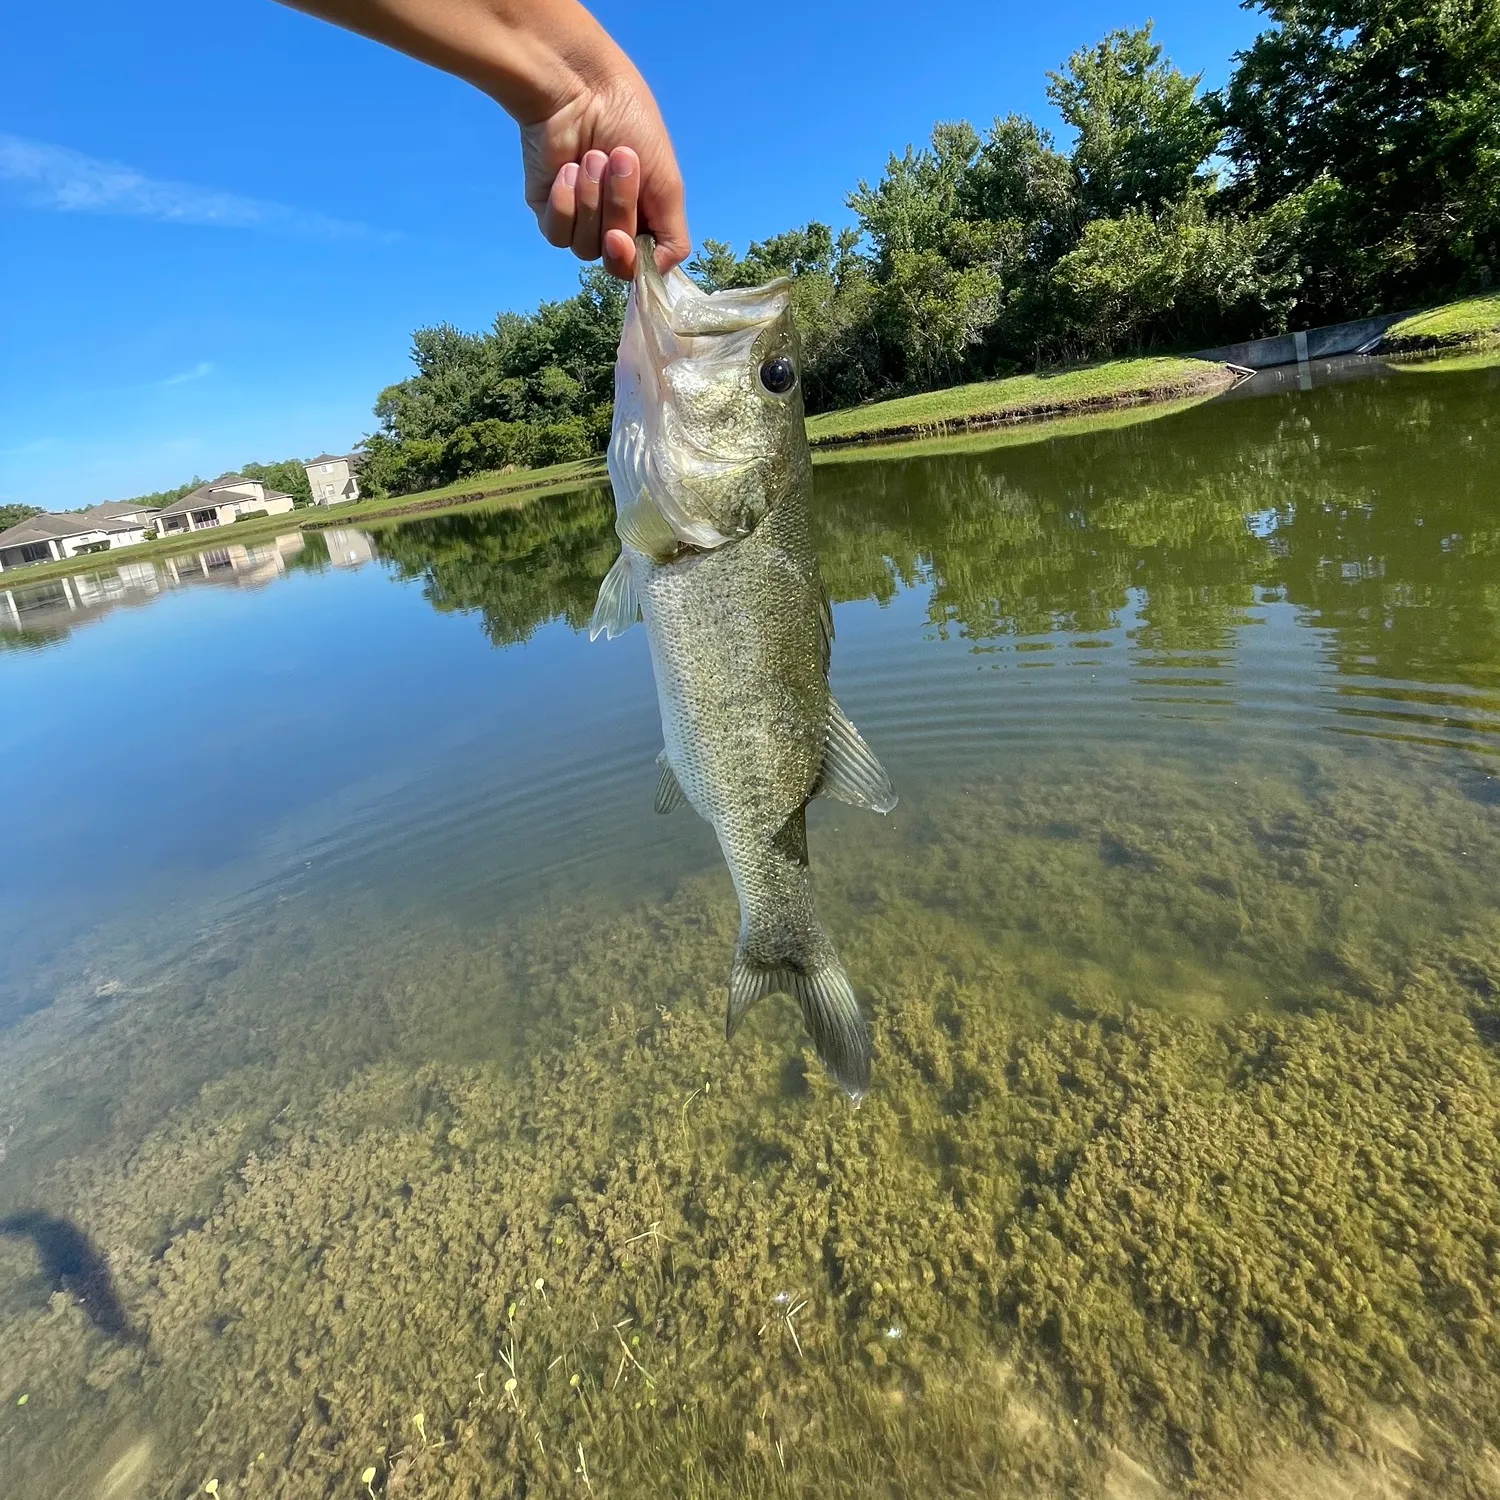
x: 619, y: 605
x: 669, y: 793
x: 850, y: 771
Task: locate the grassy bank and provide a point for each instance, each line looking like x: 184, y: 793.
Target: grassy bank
x: 1023, y: 398
x: 1458, y: 325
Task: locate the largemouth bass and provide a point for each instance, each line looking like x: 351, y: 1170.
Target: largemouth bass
x: 712, y: 478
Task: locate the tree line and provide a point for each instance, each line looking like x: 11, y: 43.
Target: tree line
x: 1350, y: 165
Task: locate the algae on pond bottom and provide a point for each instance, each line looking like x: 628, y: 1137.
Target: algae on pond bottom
x: 1182, y: 1171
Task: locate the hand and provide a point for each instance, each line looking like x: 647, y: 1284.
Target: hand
x: 598, y: 163
x: 599, y: 169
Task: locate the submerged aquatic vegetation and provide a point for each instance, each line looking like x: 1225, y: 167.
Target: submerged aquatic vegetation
x: 1184, y: 1162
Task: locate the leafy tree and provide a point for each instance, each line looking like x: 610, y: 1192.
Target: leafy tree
x: 1184, y: 277
x: 911, y: 207
x: 1395, y: 105
x: 1143, y: 132
x: 715, y: 266
x: 1364, y: 141
x: 934, y: 315
x: 1019, y: 177
x: 289, y: 476
x: 13, y: 515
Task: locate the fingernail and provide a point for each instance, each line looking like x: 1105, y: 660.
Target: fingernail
x: 594, y: 163
x: 569, y: 174
x: 622, y: 164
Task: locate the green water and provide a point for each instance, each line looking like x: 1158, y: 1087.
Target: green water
x: 368, y: 1056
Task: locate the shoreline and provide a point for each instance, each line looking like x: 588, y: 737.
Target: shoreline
x: 956, y: 410
x: 1467, y: 326
x: 1220, y: 380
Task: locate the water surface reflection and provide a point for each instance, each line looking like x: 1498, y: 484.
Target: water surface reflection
x: 373, y: 1042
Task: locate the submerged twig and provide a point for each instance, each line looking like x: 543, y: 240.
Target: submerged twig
x: 789, y: 1314
x: 633, y: 1360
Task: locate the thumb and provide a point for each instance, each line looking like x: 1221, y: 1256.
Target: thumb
x: 666, y: 218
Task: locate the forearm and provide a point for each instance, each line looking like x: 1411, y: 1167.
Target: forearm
x: 532, y: 57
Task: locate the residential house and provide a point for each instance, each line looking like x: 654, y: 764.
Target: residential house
x: 220, y: 503
x: 332, y: 479
x: 51, y: 538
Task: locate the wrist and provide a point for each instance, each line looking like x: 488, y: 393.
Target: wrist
x: 539, y: 58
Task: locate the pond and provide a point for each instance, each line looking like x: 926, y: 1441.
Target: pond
x: 366, y: 1118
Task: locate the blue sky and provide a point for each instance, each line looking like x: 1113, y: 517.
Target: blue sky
x: 219, y: 223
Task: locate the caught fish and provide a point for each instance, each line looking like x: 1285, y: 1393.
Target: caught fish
x: 712, y: 478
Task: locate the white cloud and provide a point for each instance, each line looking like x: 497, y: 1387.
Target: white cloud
x: 199, y: 370
x: 66, y: 181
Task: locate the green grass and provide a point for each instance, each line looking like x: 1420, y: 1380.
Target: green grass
x: 1122, y: 382
x: 1475, y: 320
x: 1015, y: 435
x: 491, y: 484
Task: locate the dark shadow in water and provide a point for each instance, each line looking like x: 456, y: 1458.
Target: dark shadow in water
x: 71, y: 1262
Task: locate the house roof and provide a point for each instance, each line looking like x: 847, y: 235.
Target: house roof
x: 114, y: 510
x: 279, y: 495
x: 45, y: 528
x: 207, y: 495
x: 327, y: 458
x: 197, y: 499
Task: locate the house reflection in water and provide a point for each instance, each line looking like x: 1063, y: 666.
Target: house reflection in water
x: 348, y: 548
x: 60, y: 604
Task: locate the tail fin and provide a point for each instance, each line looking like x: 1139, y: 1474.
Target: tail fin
x: 830, y: 1012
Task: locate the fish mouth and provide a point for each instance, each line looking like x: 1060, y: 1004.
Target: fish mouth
x: 677, y: 305
x: 672, y: 322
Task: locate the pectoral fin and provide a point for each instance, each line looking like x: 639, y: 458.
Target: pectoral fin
x: 619, y: 606
x: 850, y: 771
x: 669, y: 793
x: 642, y: 526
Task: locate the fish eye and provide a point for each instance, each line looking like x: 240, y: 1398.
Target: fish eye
x: 778, y: 375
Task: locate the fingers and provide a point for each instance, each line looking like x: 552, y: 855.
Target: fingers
x: 592, y: 209
x: 663, y: 213
x: 557, y: 216
x: 589, y: 194
x: 622, y: 185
